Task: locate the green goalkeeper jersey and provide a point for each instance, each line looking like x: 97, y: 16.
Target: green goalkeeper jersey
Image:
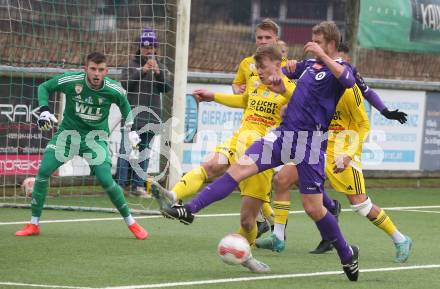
x: 86, y: 109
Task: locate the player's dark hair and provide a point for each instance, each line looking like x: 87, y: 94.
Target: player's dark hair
x: 269, y: 24
x: 343, y: 47
x: 96, y: 57
x: 271, y: 51
x: 329, y: 30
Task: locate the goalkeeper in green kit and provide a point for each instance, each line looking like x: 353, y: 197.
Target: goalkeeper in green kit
x: 84, y: 131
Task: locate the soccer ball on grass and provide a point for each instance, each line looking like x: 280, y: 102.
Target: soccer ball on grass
x: 234, y: 249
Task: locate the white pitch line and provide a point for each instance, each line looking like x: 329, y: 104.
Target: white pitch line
x: 422, y: 211
x: 268, y: 277
x: 228, y: 280
x: 198, y: 216
x: 42, y: 285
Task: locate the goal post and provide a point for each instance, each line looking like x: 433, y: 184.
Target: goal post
x: 40, y: 39
x: 180, y: 82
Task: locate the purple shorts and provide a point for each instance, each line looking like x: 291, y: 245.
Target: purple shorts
x: 304, y: 149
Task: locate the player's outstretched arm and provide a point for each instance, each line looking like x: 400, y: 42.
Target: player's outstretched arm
x: 231, y: 100
x: 374, y: 99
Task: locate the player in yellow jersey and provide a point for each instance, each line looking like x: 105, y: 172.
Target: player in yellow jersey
x: 266, y: 32
x: 262, y: 112
x: 347, y: 132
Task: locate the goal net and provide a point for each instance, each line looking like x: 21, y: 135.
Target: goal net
x: 40, y: 39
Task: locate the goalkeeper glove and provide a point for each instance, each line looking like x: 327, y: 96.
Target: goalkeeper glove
x: 46, y: 119
x: 395, y: 114
x: 134, y: 139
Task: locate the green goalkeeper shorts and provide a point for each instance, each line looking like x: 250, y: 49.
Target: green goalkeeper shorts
x: 69, y: 143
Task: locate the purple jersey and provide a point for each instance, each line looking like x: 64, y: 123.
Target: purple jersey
x: 316, y: 95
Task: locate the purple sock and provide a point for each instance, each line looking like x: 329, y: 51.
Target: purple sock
x: 329, y: 229
x: 327, y: 201
x: 219, y: 189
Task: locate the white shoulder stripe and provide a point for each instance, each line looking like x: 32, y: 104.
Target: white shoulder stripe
x: 70, y: 78
x: 115, y: 87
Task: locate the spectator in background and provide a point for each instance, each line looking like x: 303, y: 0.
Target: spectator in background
x: 145, y: 80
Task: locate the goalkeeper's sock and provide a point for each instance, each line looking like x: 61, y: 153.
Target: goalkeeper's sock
x: 113, y: 190
x: 190, y: 183
x: 35, y: 220
x: 129, y: 220
x: 251, y: 235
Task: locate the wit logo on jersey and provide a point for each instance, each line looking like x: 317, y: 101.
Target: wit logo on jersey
x: 320, y: 75
x: 87, y: 112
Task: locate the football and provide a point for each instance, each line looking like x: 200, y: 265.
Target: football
x: 233, y: 249
x: 27, y: 186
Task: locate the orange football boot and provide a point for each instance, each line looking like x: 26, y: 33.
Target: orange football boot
x: 29, y: 230
x: 139, y: 232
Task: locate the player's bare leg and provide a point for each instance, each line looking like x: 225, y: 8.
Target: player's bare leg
x: 250, y: 208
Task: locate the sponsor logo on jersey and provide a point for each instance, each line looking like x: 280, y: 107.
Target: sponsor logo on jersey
x: 78, y: 88
x: 89, y: 100
x: 320, y: 75
x: 349, y: 188
x: 88, y: 113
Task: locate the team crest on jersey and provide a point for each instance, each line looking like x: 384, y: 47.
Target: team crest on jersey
x: 100, y: 100
x: 265, y: 93
x: 320, y: 75
x: 78, y: 88
x: 252, y: 66
x: 256, y: 83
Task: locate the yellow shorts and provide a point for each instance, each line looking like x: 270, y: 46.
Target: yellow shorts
x: 258, y: 186
x: 350, y: 181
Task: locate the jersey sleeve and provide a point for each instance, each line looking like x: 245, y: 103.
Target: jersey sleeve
x: 47, y: 87
x: 356, y: 107
x: 231, y: 100
x: 124, y: 106
x: 300, y: 67
x: 370, y: 95
x: 240, y: 76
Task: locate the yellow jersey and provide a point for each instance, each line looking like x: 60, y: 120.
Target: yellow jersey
x: 261, y: 105
x: 351, y: 119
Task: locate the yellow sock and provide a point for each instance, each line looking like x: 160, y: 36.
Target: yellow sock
x: 384, y: 222
x: 249, y: 235
x: 268, y: 212
x: 281, y: 209
x: 190, y: 183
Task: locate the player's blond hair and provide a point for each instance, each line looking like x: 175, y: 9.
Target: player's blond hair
x: 271, y: 51
x: 329, y: 30
x: 269, y: 24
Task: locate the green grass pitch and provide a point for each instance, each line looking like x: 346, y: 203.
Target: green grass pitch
x: 103, y: 253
